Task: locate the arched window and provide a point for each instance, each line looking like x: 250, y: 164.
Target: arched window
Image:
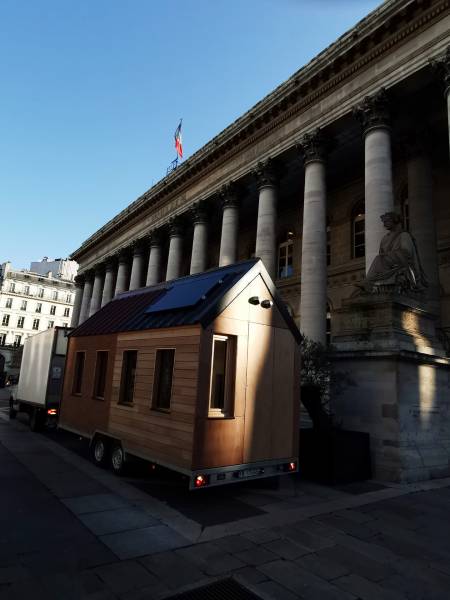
x: 285, y: 257
x: 358, y: 230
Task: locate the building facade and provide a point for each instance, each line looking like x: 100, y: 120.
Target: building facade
x: 301, y: 181
x: 30, y: 302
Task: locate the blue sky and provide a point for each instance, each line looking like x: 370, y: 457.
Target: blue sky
x: 92, y: 91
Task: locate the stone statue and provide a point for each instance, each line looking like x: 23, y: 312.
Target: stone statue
x: 397, y: 266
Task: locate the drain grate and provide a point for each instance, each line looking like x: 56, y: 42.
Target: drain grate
x: 227, y: 589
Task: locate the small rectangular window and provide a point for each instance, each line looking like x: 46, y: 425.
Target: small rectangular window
x: 27, y: 290
x: 38, y: 307
x: 17, y: 340
x: 55, y: 295
x: 36, y: 324
x: 2, y: 339
x: 162, y: 381
x: 78, y: 373
x: 221, y: 397
x: 50, y: 324
x: 9, y: 302
x: 12, y: 287
x: 100, y: 374
x: 52, y: 309
x: 5, y: 320
x: 41, y: 293
x: 24, y: 305
x: 128, y: 377
x: 66, y: 312
x: 20, y: 322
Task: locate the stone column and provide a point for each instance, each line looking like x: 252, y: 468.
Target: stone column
x: 421, y: 216
x: 87, y: 295
x: 154, y: 260
x: 137, y: 266
x: 313, y: 299
x: 230, y: 225
x: 122, y: 272
x: 267, y: 216
x: 79, y: 283
x: 175, y: 250
x: 108, y: 287
x: 443, y: 67
x: 374, y: 115
x: 96, y: 299
x: 199, y: 256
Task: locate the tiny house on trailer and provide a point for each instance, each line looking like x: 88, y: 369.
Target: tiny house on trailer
x: 199, y: 374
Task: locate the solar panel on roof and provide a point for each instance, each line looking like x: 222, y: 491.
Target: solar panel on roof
x: 187, y: 292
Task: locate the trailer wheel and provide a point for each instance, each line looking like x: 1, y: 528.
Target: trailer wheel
x: 118, y: 459
x: 99, y: 451
x: 36, y: 421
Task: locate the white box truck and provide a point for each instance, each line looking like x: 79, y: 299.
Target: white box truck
x: 38, y: 392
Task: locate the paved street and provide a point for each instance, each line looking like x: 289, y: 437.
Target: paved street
x: 69, y: 531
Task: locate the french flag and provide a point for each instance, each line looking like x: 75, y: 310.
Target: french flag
x: 178, y: 140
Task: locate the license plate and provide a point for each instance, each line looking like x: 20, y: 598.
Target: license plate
x: 250, y: 473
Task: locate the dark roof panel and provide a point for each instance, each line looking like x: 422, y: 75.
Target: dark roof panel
x: 186, y: 301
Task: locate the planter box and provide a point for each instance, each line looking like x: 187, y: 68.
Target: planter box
x: 334, y: 456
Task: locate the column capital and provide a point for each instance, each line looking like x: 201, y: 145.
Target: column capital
x: 99, y: 268
x: 122, y: 255
x: 155, y: 238
x: 442, y: 67
x: 89, y: 275
x: 138, y: 247
x: 79, y: 280
x: 176, y: 227
x: 228, y: 194
x: 416, y: 143
x: 373, y: 111
x: 199, y: 212
x: 313, y: 146
x: 265, y: 173
x: 110, y: 263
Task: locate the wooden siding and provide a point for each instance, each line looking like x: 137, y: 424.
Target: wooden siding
x: 167, y: 437
x: 265, y: 423
x: 84, y: 413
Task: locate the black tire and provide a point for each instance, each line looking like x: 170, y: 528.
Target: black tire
x: 36, y: 420
x: 100, y: 451
x: 117, y: 459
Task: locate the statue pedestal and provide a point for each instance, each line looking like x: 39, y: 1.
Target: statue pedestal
x: 401, y: 394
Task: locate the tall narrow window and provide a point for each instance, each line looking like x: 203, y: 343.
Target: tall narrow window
x: 26, y: 290
x: 52, y: 309
x: 358, y: 230
x: 5, y: 320
x: 39, y: 307
x: 66, y: 312
x: 41, y: 293
x: 17, y: 340
x: 20, y: 322
x: 100, y: 374
x: 285, y: 259
x: 23, y: 305
x: 9, y: 302
x: 50, y: 324
x: 128, y: 377
x: 162, y: 381
x: 78, y: 373
x: 2, y: 339
x: 222, y: 376
x: 12, y: 287
x: 36, y: 324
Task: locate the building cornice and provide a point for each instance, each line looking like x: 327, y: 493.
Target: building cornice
x: 389, y: 25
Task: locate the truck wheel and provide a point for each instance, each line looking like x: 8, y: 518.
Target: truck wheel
x: 118, y: 459
x: 99, y: 451
x: 36, y: 421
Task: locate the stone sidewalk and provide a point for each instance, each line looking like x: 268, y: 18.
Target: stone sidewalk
x: 71, y: 531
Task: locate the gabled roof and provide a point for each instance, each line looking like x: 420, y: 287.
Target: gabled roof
x: 188, y: 300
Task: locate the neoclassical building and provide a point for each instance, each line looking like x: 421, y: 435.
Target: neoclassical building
x: 301, y: 181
